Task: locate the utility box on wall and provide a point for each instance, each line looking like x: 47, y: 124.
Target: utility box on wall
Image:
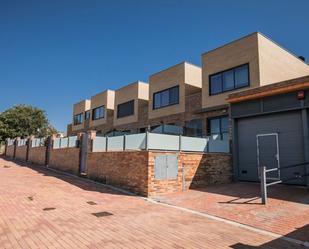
x: 166, y: 167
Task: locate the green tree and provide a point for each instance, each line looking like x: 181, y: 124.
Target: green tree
x: 23, y: 121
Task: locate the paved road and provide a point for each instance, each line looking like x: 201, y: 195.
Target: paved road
x: 43, y: 209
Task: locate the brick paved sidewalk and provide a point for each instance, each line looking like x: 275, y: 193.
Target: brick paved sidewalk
x: 287, y: 212
x: 67, y: 221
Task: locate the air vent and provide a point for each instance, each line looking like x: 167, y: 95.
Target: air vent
x: 92, y: 203
x: 49, y: 209
x: 102, y: 214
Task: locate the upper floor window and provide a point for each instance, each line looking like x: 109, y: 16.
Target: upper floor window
x: 78, y: 119
x: 218, y: 128
x: 125, y: 109
x: 166, y: 97
x: 98, y: 113
x: 87, y: 115
x: 228, y: 80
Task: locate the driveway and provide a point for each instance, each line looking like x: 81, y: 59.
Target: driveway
x: 44, y: 209
x: 287, y: 211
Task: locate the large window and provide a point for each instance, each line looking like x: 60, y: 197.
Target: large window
x: 98, y: 113
x: 78, y: 119
x: 194, y: 128
x: 166, y: 97
x: 228, y: 80
x: 125, y: 109
x: 218, y: 128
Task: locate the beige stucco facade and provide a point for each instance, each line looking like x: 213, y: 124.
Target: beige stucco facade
x: 106, y: 99
x: 268, y: 63
x: 80, y: 108
x: 185, y: 75
x: 137, y: 91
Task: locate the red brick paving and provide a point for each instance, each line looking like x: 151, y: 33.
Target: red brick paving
x: 135, y: 223
x: 287, y: 212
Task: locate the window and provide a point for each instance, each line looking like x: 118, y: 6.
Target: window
x: 125, y: 109
x: 218, y: 128
x: 98, y: 113
x: 78, y: 119
x: 194, y: 128
x: 87, y: 115
x: 229, y: 80
x: 166, y: 97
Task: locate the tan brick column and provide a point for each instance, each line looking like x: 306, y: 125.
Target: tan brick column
x: 29, y: 145
x: 15, y: 146
x: 92, y: 135
x: 6, y: 146
x: 49, y: 147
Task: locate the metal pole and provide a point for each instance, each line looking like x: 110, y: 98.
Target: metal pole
x: 263, y: 185
x: 124, y: 142
x: 147, y: 138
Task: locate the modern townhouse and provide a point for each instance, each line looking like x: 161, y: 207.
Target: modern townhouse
x: 102, y: 112
x: 189, y: 100
x: 81, y: 116
x: 131, y: 103
x: 175, y: 99
x: 248, y: 62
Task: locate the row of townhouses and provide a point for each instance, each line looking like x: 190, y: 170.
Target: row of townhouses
x: 187, y: 99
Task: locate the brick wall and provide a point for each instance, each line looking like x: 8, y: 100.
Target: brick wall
x: 21, y: 152
x: 127, y: 169
x: 199, y: 170
x: 37, y: 155
x: 66, y: 159
x: 10, y: 151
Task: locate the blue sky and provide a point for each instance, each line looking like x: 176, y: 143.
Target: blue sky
x: 54, y: 53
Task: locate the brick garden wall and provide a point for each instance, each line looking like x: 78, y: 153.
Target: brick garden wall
x: 66, y: 159
x: 125, y: 169
x: 10, y: 151
x: 134, y: 170
x: 37, y: 155
x: 21, y: 152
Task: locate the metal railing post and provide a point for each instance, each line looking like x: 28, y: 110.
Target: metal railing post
x: 263, y: 185
x: 124, y: 142
x: 146, y: 142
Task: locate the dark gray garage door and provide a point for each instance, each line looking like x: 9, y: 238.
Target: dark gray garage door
x: 288, y: 126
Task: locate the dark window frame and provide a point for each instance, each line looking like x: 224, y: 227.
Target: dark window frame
x: 221, y: 131
x: 199, y: 133
x: 122, y: 104
x: 96, y: 108
x: 81, y: 118
x: 85, y: 116
x: 161, y: 91
x: 221, y: 73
